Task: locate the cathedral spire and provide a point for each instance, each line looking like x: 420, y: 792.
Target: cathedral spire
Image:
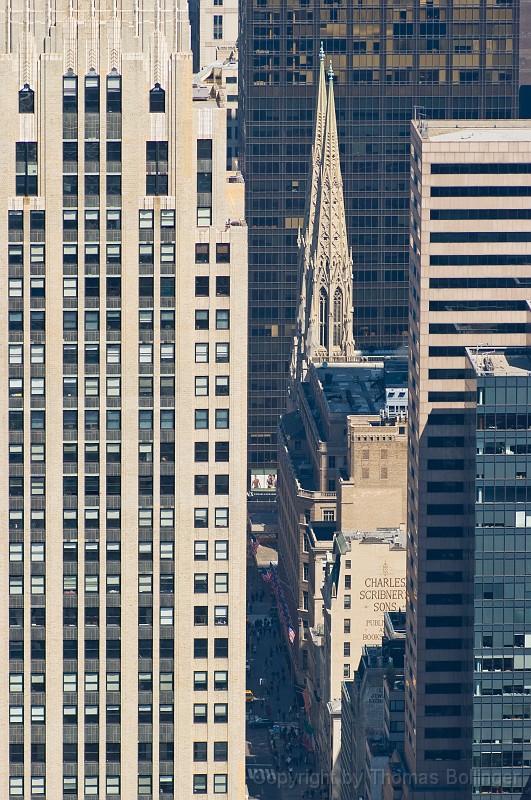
x: 325, y: 320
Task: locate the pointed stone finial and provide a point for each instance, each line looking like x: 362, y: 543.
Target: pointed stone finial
x: 331, y: 72
x: 321, y: 53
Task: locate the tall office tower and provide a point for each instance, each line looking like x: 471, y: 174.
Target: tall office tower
x: 502, y: 646
x: 123, y: 564
x: 214, y: 27
x: 470, y: 278
x: 454, y: 59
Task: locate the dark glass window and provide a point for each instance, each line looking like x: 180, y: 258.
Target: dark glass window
x: 15, y: 220
x: 26, y: 169
x: 92, y: 185
x: 36, y: 221
x: 92, y: 93
x: 222, y: 253
x: 114, y: 151
x: 156, y: 168
x: 70, y: 93
x: 70, y: 151
x: 201, y: 451
x: 167, y: 287
x: 222, y: 451
x: 114, y: 185
x: 157, y: 100
x: 221, y: 648
x: 202, y: 253
x: 201, y: 286
x: 26, y: 100
x: 70, y: 184
x: 200, y: 751
x: 92, y: 151
x: 114, y: 93
x: 204, y: 149
x: 221, y: 751
x: 201, y: 320
x: 222, y: 286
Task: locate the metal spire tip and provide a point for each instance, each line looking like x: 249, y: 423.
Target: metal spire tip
x: 321, y: 53
x: 331, y: 72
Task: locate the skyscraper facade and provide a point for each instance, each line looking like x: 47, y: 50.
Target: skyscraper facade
x: 214, y: 25
x: 121, y: 423
x: 456, y: 60
x: 470, y: 273
x: 500, y: 421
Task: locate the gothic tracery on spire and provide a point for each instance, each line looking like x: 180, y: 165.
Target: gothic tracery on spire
x: 325, y: 319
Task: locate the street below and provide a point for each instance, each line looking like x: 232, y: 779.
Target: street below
x: 278, y: 764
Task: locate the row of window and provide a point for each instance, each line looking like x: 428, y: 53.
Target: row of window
x: 113, y: 385
x: 113, y: 152
x: 92, y: 353
x: 202, y: 349
x: 113, y: 452
x: 70, y: 321
x: 112, y: 785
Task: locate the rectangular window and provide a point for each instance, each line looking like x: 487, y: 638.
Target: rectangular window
x: 223, y: 286
x: 221, y: 582
x: 156, y: 168
x: 167, y: 218
x: 222, y: 386
x: 221, y: 615
x: 220, y: 784
x: 201, y: 353
x: 221, y: 751
x: 201, y: 386
x: 222, y: 352
x: 145, y: 219
x: 201, y: 518
x: 222, y: 320
x: 222, y: 418
x: 200, y: 681
x: 218, y: 27
x: 201, y: 418
x: 222, y: 253
x: 200, y: 752
x: 201, y: 551
x: 221, y: 516
x: 221, y: 549
x: 202, y: 286
x: 202, y: 255
x: 26, y: 169
x: 200, y: 583
x: 200, y: 712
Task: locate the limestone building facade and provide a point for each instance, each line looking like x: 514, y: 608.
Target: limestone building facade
x: 470, y: 273
x: 122, y: 426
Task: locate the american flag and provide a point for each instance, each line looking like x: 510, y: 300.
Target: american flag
x: 291, y: 635
x: 254, y: 545
x: 267, y: 576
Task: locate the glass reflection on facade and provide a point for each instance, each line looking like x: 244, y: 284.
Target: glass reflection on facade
x: 455, y: 60
x: 502, y: 562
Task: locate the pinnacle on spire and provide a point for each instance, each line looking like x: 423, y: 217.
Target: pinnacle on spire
x: 321, y: 54
x: 331, y: 72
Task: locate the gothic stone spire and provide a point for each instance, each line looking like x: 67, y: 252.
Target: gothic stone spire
x: 326, y: 310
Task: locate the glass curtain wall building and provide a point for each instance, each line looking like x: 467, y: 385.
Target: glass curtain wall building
x: 500, y: 428
x: 453, y: 59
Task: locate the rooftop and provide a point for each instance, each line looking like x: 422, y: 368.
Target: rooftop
x: 323, y: 530
x: 395, y: 538
x: 395, y: 624
x: 354, y: 388
x: 497, y: 361
x: 477, y: 131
